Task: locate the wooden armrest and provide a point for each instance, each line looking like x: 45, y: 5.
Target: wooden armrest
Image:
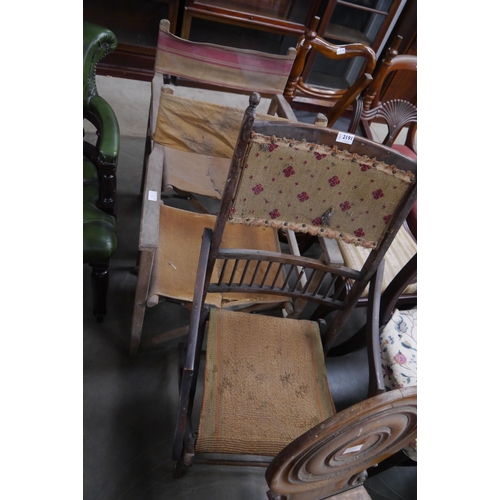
x: 150, y: 216
x: 331, y: 251
x: 156, y: 89
x: 281, y: 107
x: 376, y: 383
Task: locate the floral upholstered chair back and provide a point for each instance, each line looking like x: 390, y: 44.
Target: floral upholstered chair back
x: 322, y: 190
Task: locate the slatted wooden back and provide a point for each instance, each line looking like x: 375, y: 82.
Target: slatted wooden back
x: 281, y: 274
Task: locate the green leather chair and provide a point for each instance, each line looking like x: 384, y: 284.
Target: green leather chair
x: 99, y: 168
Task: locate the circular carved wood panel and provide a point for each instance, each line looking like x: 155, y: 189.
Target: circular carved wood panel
x: 334, y: 455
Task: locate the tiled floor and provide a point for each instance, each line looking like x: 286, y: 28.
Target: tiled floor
x: 130, y: 404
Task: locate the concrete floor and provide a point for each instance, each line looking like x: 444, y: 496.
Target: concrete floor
x: 129, y: 405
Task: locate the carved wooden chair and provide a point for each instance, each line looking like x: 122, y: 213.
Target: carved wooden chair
x: 265, y: 390
x: 395, y: 113
x: 332, y: 101
x: 392, y: 348
x: 199, y: 167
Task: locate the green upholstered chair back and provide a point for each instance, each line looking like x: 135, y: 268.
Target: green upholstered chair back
x: 97, y: 43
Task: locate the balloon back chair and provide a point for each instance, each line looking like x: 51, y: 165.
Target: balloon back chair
x: 333, y: 101
x: 265, y: 397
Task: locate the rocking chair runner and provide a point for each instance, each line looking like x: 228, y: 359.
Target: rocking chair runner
x: 265, y: 382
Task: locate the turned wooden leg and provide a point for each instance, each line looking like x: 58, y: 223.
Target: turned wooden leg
x: 100, y: 282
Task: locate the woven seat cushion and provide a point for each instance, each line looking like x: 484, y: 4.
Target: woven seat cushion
x: 176, y: 259
x: 402, y: 249
x: 398, y: 349
x: 99, y: 228
x: 265, y: 383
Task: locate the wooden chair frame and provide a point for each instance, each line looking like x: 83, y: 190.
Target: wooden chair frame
x: 270, y: 75
x: 332, y: 101
x: 396, y: 113
x: 324, y: 285
x: 211, y: 58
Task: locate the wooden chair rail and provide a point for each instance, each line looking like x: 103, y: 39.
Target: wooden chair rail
x: 283, y: 275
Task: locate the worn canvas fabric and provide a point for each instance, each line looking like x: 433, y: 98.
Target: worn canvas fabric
x: 402, y: 249
x: 174, y: 274
x: 199, y: 127
x: 234, y: 68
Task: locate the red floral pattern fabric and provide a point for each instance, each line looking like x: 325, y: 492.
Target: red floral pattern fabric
x: 324, y: 191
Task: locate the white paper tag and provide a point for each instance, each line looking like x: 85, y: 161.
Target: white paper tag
x: 353, y: 449
x: 152, y: 196
x: 345, y: 138
x: 341, y: 50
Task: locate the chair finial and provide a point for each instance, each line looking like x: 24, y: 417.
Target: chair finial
x: 254, y: 99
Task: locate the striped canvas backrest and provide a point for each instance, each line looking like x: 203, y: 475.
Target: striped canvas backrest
x: 231, y: 68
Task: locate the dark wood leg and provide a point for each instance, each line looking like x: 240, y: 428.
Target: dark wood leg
x: 100, y: 282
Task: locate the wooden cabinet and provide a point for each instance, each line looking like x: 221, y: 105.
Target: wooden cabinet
x: 365, y: 21
x: 341, y: 22
x: 286, y: 17
x: 267, y: 25
x: 351, y: 21
x: 135, y: 24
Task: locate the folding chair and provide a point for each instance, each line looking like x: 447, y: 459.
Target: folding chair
x: 206, y: 66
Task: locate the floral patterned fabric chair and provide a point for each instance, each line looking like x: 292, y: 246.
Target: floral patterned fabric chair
x: 394, y: 344
x: 398, y: 353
